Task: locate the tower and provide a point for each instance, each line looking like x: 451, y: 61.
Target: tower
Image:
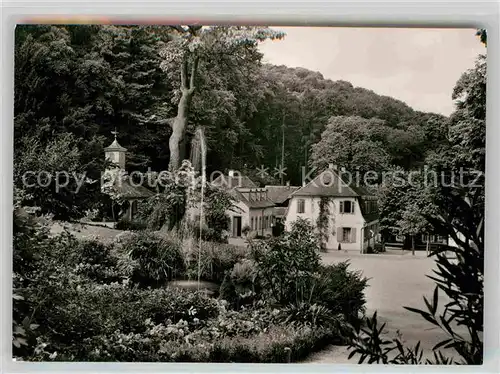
x: 116, y: 153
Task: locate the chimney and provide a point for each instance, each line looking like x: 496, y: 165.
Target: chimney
x: 230, y: 173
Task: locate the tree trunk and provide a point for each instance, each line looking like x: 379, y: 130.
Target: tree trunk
x: 176, y: 143
x: 428, y: 245
x: 413, y: 245
x: 178, y: 131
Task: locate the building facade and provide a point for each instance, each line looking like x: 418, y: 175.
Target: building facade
x: 347, y: 215
x: 253, y: 214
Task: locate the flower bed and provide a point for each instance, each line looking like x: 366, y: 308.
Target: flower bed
x: 90, y: 301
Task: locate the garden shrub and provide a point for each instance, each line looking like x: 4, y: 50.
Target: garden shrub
x: 95, y: 260
x: 74, y: 317
x: 207, y: 234
x: 289, y: 268
x: 313, y: 315
x: 287, y: 264
x: 272, y: 346
x: 157, y: 259
x: 217, y: 260
x: 77, y: 300
x: 241, y: 285
x: 340, y: 290
x: 218, y: 202
x: 176, y: 304
x: 175, y: 343
x: 130, y: 225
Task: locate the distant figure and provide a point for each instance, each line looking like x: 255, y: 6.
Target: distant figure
x: 340, y: 248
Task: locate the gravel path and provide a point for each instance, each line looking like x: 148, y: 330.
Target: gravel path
x: 395, y: 280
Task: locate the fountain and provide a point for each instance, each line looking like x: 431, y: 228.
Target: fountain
x: 203, y: 149
x: 198, y: 158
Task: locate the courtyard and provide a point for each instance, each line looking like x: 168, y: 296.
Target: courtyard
x: 396, y: 279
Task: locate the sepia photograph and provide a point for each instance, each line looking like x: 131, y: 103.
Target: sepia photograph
x: 248, y: 194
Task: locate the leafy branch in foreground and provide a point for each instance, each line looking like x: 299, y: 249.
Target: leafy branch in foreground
x: 461, y: 279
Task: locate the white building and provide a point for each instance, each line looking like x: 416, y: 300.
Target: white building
x: 351, y: 213
x: 253, y: 208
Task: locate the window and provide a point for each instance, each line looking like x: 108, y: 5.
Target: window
x: 347, y: 206
x: 266, y: 222
x: 301, y: 206
x: 371, y: 206
x: 346, y: 235
x: 260, y: 223
x: 252, y: 223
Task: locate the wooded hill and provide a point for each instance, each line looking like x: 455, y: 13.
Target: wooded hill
x: 87, y: 80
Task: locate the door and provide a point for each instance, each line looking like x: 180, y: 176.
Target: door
x: 237, y: 226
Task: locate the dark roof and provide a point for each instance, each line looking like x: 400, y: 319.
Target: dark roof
x: 132, y: 191
x: 278, y: 194
x: 280, y: 211
x: 253, y: 203
x: 369, y: 217
x: 241, y: 181
x: 115, y: 147
x: 330, y: 183
x: 234, y: 183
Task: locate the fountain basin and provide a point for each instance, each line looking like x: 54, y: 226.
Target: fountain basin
x: 210, y: 288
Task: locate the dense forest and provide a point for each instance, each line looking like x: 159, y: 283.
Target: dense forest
x: 87, y: 80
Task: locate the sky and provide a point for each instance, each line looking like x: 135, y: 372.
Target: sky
x: 417, y: 66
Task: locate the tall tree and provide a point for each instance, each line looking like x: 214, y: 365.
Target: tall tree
x: 353, y: 143
x: 193, y: 45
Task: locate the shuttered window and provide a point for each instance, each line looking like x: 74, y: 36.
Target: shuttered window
x: 301, y: 206
x: 346, y: 234
x: 347, y: 206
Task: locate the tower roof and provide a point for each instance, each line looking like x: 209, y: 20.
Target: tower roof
x: 115, y: 147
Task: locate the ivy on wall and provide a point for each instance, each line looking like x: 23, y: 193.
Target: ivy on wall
x: 322, y: 221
